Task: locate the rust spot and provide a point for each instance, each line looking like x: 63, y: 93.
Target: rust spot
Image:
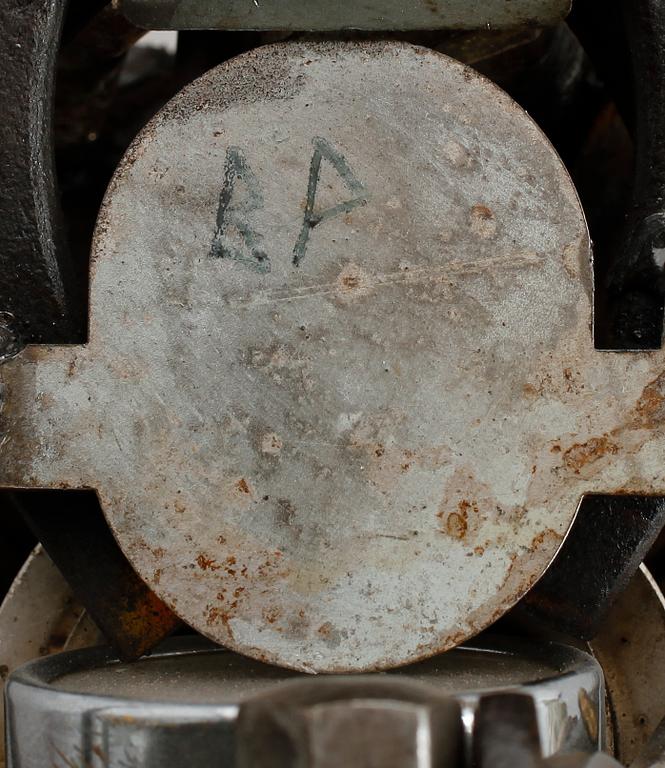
x: 351, y: 281
x: 516, y: 581
x: 157, y: 576
x: 482, y: 221
x: 555, y: 448
x: 458, y: 522
x: 479, y: 551
x: 146, y: 622
x: 179, y: 507
x: 206, y: 563
x: 456, y: 525
x: 651, y: 405
x: 548, y: 535
x: 325, y: 630
x: 271, y: 444
x: 216, y: 615
x: 271, y: 615
x: 581, y: 454
x: 482, y: 212
x: 242, y: 486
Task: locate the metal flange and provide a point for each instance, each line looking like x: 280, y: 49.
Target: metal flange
x: 340, y: 399
x: 344, y: 14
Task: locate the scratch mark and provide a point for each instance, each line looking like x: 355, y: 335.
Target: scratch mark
x: 412, y: 276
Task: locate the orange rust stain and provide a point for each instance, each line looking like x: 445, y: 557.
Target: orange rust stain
x: 271, y: 615
x: 579, y: 455
x: 479, y: 551
x: 146, y: 622
x: 242, y: 486
x: 555, y: 449
x: 157, y: 576
x: 529, y: 389
x: 325, y: 630
x: 516, y: 582
x: 157, y: 552
x: 650, y: 407
x: 219, y: 616
x: 456, y: 525
x: 206, y: 563
x: 548, y: 535
x: 482, y: 212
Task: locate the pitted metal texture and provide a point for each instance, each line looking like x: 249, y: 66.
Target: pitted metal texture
x: 340, y: 399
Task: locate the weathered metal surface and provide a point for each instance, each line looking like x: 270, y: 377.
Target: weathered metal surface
x: 637, y: 291
x: 603, y: 550
x: 653, y: 755
x: 131, y: 616
x: 319, y: 15
x: 39, y: 286
x: 340, y: 399
x: 39, y: 616
x: 193, y: 703
x: 630, y: 646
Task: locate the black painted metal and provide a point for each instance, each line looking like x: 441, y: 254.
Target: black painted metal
x: 608, y: 541
x: 638, y: 286
x: 76, y: 537
x: 38, y: 286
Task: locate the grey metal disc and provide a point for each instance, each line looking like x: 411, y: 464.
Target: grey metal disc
x: 333, y: 398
